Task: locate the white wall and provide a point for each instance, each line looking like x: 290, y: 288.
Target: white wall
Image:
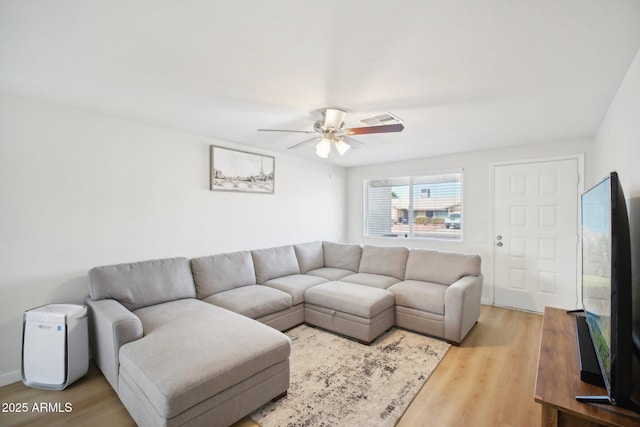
x: 477, y: 196
x: 617, y: 147
x: 617, y: 142
x: 78, y: 190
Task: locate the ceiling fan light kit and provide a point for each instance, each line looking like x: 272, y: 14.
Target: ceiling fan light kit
x: 331, y: 129
x: 323, y: 148
x: 342, y: 146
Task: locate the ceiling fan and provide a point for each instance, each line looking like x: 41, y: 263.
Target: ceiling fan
x: 331, y: 129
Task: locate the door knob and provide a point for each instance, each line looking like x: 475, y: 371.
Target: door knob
x: 499, y: 244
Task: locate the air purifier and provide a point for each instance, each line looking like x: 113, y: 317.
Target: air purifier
x: 55, y: 346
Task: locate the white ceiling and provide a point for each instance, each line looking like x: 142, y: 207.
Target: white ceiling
x: 462, y: 74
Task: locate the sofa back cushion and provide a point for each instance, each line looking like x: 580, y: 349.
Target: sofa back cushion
x: 440, y: 267
x: 217, y: 273
x: 310, y: 256
x: 274, y: 262
x: 145, y: 283
x: 388, y: 261
x: 341, y: 255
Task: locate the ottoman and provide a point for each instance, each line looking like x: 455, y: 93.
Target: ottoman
x: 358, y: 311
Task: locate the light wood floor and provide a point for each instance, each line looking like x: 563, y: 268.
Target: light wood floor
x: 487, y: 381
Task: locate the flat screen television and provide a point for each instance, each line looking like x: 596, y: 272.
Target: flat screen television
x: 607, y: 287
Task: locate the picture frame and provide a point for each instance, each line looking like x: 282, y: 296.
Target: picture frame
x: 241, y: 171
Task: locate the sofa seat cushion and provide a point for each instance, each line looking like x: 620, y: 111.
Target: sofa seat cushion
x: 330, y: 273
x: 253, y: 301
x: 359, y: 300
x: 156, y: 316
x: 295, y: 285
x: 204, y: 350
x: 369, y: 279
x: 423, y: 296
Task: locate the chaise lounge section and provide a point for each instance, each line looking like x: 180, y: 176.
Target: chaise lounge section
x: 197, y: 342
x: 176, y: 360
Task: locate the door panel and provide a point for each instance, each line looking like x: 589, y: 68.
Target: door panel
x: 536, y: 234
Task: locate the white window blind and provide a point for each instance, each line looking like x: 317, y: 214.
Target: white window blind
x: 420, y: 206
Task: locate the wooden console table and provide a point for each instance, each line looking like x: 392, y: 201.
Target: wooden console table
x: 558, y: 380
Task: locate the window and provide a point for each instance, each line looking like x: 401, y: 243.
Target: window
x: 420, y: 206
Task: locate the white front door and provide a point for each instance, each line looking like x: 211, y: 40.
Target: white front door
x: 536, y: 234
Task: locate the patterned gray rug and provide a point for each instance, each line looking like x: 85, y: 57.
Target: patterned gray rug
x: 339, y: 382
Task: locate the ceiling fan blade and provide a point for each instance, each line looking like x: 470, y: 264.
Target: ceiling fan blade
x: 286, y: 130
x: 300, y: 144
x: 374, y: 129
x: 354, y: 143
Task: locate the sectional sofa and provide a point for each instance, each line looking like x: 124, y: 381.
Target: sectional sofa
x: 198, y: 342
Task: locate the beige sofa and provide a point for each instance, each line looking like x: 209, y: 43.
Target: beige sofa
x: 196, y: 342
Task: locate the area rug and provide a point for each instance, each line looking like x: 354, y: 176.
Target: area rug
x: 336, y: 381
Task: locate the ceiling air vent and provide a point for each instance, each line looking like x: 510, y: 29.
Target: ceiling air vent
x: 382, y: 119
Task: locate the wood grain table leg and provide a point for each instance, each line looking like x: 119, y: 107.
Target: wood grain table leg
x: 549, y: 416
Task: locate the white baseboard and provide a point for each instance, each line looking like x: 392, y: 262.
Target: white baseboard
x: 10, y: 378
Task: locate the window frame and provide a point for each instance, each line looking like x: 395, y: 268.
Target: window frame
x: 454, y: 236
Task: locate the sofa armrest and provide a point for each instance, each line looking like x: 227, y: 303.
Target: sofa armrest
x: 111, y: 326
x: 462, y: 307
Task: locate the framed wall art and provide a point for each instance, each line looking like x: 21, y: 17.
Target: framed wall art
x: 236, y: 170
